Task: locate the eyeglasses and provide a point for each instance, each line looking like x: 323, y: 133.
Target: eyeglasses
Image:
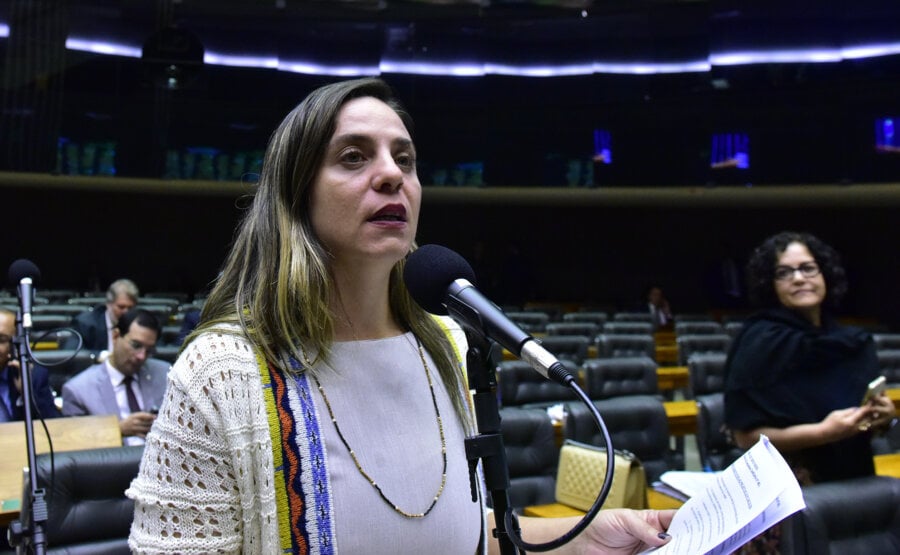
x: 137, y: 346
x: 807, y: 270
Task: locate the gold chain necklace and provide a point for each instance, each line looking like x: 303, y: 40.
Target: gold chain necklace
x: 359, y: 467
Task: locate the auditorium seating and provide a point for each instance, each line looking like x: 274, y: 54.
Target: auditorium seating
x: 706, y: 372
x: 886, y: 341
x: 519, y: 384
x: 57, y: 308
x: 43, y: 322
x: 889, y: 363
x: 568, y: 347
x: 692, y: 318
x: 633, y: 317
x: 63, y: 364
x: 88, y: 512
x: 587, y: 329
x: 616, y: 377
x: 713, y: 446
x: 598, y: 318
x: 706, y: 327
x: 690, y: 344
x: 531, y: 322
x: 629, y: 328
x: 850, y: 517
x: 88, y: 301
x: 531, y: 454
x: 610, y: 345
x: 637, y: 423
x: 733, y: 328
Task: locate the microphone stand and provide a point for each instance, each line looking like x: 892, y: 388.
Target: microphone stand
x: 488, y: 444
x: 29, y: 529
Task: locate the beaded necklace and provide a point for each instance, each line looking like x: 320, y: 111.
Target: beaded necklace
x: 352, y: 453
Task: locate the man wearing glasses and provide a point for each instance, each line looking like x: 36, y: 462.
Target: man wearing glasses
x: 11, y: 407
x: 129, y: 383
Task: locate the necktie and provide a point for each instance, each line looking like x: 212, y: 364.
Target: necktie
x: 133, y: 405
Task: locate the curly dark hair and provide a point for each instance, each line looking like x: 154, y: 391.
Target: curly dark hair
x: 761, y: 268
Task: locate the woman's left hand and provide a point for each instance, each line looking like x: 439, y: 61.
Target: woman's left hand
x: 881, y: 411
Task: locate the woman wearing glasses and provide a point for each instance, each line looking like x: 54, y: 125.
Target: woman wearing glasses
x: 794, y: 374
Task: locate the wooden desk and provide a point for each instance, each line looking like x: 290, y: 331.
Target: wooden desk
x: 894, y: 395
x: 682, y: 417
x: 68, y: 434
x: 667, y: 354
x: 672, y: 377
x: 655, y: 500
x: 888, y: 465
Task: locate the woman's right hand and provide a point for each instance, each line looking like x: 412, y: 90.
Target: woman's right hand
x: 843, y: 423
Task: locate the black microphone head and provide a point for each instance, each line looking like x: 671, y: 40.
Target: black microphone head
x: 23, y: 268
x: 430, y: 270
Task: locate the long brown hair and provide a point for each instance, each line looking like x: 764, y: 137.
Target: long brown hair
x: 275, y: 283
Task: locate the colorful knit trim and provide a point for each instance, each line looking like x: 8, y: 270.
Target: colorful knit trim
x: 302, y: 491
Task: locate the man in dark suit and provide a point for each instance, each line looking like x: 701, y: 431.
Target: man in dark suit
x: 11, y: 406
x: 128, y: 383
x: 96, y: 325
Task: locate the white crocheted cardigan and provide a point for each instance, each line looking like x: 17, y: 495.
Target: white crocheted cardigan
x: 209, y: 451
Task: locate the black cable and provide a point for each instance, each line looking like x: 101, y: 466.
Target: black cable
x: 598, y: 503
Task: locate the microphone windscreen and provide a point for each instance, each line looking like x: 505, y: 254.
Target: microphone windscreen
x: 430, y: 270
x: 23, y: 268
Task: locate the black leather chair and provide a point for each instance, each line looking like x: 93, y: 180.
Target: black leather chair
x: 170, y: 334
x: 713, y: 446
x: 628, y: 328
x: 706, y: 372
x: 531, y: 455
x: 56, y: 308
x: 850, y: 517
x: 167, y: 353
x: 711, y: 343
x: 521, y: 385
x: 49, y: 320
x: 698, y: 317
x: 88, y: 302
x: 887, y: 341
x: 161, y: 311
x: 636, y: 423
x: 567, y: 347
x: 587, y: 329
x: 888, y: 442
x: 733, y: 328
x: 88, y: 513
x: 615, y: 345
x: 599, y: 318
x: 633, y: 317
x: 615, y: 377
x: 531, y: 322
x: 706, y: 327
x: 889, y: 362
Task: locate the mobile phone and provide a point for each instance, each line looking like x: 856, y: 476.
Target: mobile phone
x: 876, y: 388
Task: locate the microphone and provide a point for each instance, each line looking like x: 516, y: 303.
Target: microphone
x: 22, y: 274
x: 440, y: 281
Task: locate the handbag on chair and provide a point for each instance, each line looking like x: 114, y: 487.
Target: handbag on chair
x: 580, y: 474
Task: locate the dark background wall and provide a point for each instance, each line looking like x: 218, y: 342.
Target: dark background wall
x: 808, y: 123
x: 593, y: 252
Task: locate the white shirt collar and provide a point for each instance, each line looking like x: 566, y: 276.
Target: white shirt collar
x: 116, y: 377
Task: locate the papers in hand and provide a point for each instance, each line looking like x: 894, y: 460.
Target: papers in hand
x: 682, y: 484
x: 729, y: 508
